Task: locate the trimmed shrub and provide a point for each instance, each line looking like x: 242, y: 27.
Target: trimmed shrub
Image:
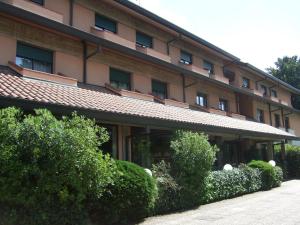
x: 131, y: 197
x: 270, y: 175
x: 50, y: 168
x: 278, y: 178
x: 192, y: 159
x: 168, y: 189
x: 226, y: 184
x: 292, y: 163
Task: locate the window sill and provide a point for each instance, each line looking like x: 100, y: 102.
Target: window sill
x: 38, y: 75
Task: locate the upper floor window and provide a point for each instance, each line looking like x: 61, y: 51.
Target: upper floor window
x: 223, y: 105
x: 105, y: 23
x: 159, y: 89
x: 264, y: 90
x: 287, y: 123
x: 277, y: 120
x: 208, y: 66
x: 119, y: 79
x: 260, y: 116
x: 34, y: 58
x: 274, y: 93
x: 144, y: 40
x: 40, y: 2
x: 246, y: 82
x: 186, y: 58
x: 201, y: 99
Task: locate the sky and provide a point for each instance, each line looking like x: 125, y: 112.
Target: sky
x: 256, y: 31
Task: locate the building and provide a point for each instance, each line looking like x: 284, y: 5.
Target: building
x: 141, y: 77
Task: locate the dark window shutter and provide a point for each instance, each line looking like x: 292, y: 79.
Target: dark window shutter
x: 159, y: 88
x: 26, y: 51
x: 105, y: 23
x: 186, y: 57
x: 143, y: 40
x: 120, y: 77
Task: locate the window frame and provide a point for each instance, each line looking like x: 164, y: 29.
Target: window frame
x: 118, y: 82
x: 226, y: 105
x: 32, y: 60
x: 182, y: 60
x: 260, y: 119
x: 248, y: 82
x: 265, y: 89
x: 277, y: 122
x: 146, y: 36
x: 274, y: 93
x: 115, y: 30
x: 159, y: 82
x: 205, y: 99
x: 212, y: 69
x: 287, y: 123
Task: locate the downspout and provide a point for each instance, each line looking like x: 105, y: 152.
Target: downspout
x: 183, y: 87
x: 171, y: 41
x: 71, y: 12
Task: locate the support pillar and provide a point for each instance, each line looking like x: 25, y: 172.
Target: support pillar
x: 282, y: 148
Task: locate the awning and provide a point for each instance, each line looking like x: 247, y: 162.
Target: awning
x: 134, y: 111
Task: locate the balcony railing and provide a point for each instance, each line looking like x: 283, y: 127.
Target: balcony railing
x: 152, y: 52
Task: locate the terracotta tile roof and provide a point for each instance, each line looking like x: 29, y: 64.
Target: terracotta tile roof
x: 43, y: 92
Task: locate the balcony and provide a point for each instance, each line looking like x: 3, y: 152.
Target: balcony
x: 253, y: 91
x: 153, y: 53
x: 176, y: 103
x: 236, y: 116
x: 34, y: 74
x: 107, y: 35
x: 283, y: 102
x: 194, y: 68
x: 36, y: 9
x: 219, y: 78
x: 274, y: 99
x: 217, y: 111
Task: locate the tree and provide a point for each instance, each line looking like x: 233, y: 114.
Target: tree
x: 288, y: 70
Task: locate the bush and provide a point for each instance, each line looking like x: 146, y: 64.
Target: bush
x: 226, y: 184
x: 192, y: 159
x: 131, y: 197
x: 168, y: 189
x: 271, y: 177
x: 292, y: 158
x: 50, y: 168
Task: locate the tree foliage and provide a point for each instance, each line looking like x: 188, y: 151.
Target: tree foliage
x: 288, y: 70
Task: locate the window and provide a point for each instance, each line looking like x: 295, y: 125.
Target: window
x: 186, y: 58
x: 274, y: 93
x: 208, y: 66
x: 143, y: 40
x: 105, y: 23
x: 264, y: 90
x: 287, y: 123
x: 34, y: 58
x: 159, y: 89
x: 277, y: 120
x: 201, y: 99
x: 40, y: 2
x: 119, y: 79
x: 111, y: 145
x: 260, y: 116
x: 246, y: 83
x: 223, y: 105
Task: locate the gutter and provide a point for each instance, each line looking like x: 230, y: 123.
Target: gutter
x: 84, y: 36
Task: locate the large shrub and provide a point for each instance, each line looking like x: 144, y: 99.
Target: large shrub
x: 168, y: 189
x: 50, y: 168
x: 131, y: 197
x: 292, y: 160
x: 226, y: 184
x: 271, y: 176
x: 192, y: 159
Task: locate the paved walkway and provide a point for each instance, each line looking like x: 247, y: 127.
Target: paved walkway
x: 280, y: 206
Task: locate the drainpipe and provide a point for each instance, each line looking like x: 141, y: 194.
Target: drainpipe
x: 86, y: 57
x: 71, y: 12
x: 183, y: 87
x: 170, y: 42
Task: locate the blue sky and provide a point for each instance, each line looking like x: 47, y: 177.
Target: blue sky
x: 257, y: 31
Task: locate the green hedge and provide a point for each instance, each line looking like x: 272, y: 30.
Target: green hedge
x: 271, y: 176
x: 226, y: 184
x: 131, y: 197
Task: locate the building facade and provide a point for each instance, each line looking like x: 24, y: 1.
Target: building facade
x: 141, y: 77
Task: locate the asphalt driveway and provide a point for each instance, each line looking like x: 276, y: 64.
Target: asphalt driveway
x: 280, y: 206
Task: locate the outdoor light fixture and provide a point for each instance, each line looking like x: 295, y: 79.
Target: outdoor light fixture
x: 272, y: 163
x: 148, y: 172
x: 227, y: 167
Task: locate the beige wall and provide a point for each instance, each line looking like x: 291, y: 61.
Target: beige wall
x: 8, y: 48
x: 60, y: 6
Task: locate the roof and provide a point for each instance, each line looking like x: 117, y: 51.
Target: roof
x: 114, y: 106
